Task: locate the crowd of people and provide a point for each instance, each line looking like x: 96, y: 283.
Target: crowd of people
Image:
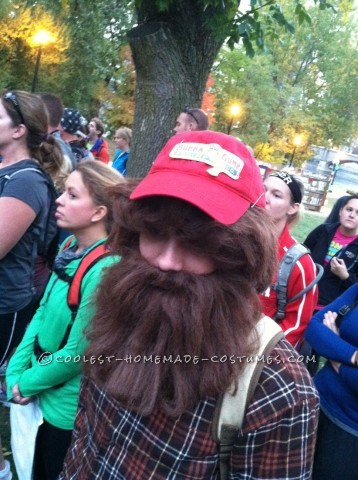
x: 171, y: 285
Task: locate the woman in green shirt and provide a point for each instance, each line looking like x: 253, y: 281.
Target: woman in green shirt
x: 48, y: 361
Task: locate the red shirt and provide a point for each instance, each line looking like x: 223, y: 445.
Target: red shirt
x: 299, y: 312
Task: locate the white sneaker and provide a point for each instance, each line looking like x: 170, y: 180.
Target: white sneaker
x: 6, y: 474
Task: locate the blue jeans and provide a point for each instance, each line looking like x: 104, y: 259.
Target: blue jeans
x: 336, y: 456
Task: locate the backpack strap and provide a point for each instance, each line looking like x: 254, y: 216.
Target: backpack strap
x: 27, y: 169
x: 87, y: 262
x: 74, y: 292
x: 231, y: 407
x: 35, y: 168
x: 343, y: 311
x: 320, y: 271
x: 287, y: 264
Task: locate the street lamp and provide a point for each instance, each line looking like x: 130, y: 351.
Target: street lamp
x: 297, y: 141
x: 234, y: 111
x: 40, y: 39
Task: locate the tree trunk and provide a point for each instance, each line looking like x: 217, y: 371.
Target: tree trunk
x: 173, y: 54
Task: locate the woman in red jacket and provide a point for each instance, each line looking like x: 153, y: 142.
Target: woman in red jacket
x: 283, y: 199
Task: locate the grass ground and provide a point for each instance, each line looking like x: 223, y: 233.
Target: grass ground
x: 309, y: 221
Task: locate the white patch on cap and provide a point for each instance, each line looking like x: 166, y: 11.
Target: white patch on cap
x: 221, y: 160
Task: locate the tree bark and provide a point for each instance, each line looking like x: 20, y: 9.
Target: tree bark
x: 173, y: 53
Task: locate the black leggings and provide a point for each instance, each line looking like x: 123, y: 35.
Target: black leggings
x: 51, y: 446
x: 336, y: 452
x: 12, y: 329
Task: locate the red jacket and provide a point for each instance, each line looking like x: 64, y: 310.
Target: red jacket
x: 100, y: 150
x: 299, y: 312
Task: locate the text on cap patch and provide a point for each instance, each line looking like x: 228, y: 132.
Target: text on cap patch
x: 221, y: 160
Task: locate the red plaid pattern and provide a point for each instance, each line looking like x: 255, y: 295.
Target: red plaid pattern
x: 276, y: 442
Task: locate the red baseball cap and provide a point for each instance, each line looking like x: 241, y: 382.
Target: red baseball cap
x: 213, y: 171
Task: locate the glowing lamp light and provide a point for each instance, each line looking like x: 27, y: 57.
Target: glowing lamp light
x: 234, y: 110
x: 297, y: 140
x: 42, y: 37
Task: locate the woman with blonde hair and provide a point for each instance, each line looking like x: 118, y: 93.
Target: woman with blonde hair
x: 85, y: 210
x: 284, y: 193
x: 123, y: 140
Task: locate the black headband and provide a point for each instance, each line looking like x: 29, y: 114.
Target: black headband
x: 291, y: 183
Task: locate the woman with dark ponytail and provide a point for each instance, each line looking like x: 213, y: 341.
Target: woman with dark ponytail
x: 50, y: 157
x: 26, y: 153
x: 53, y: 162
x: 41, y: 147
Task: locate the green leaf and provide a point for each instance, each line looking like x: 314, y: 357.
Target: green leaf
x: 250, y: 52
x: 298, y: 9
x: 279, y: 17
x: 308, y: 19
x: 244, y: 29
x: 290, y: 28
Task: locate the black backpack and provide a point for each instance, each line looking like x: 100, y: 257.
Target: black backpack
x: 47, y: 245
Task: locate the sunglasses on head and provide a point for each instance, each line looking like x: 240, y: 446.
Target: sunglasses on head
x: 11, y: 96
x: 189, y: 111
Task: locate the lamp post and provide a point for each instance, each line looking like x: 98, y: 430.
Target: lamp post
x: 234, y: 111
x: 40, y: 39
x: 297, y: 141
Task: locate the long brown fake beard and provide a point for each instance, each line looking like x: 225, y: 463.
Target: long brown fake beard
x: 170, y: 337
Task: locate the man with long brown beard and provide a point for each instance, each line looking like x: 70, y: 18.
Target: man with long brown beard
x: 176, y: 325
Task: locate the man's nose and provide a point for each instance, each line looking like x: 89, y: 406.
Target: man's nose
x: 171, y: 256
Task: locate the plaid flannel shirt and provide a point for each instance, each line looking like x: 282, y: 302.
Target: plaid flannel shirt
x: 276, y: 442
